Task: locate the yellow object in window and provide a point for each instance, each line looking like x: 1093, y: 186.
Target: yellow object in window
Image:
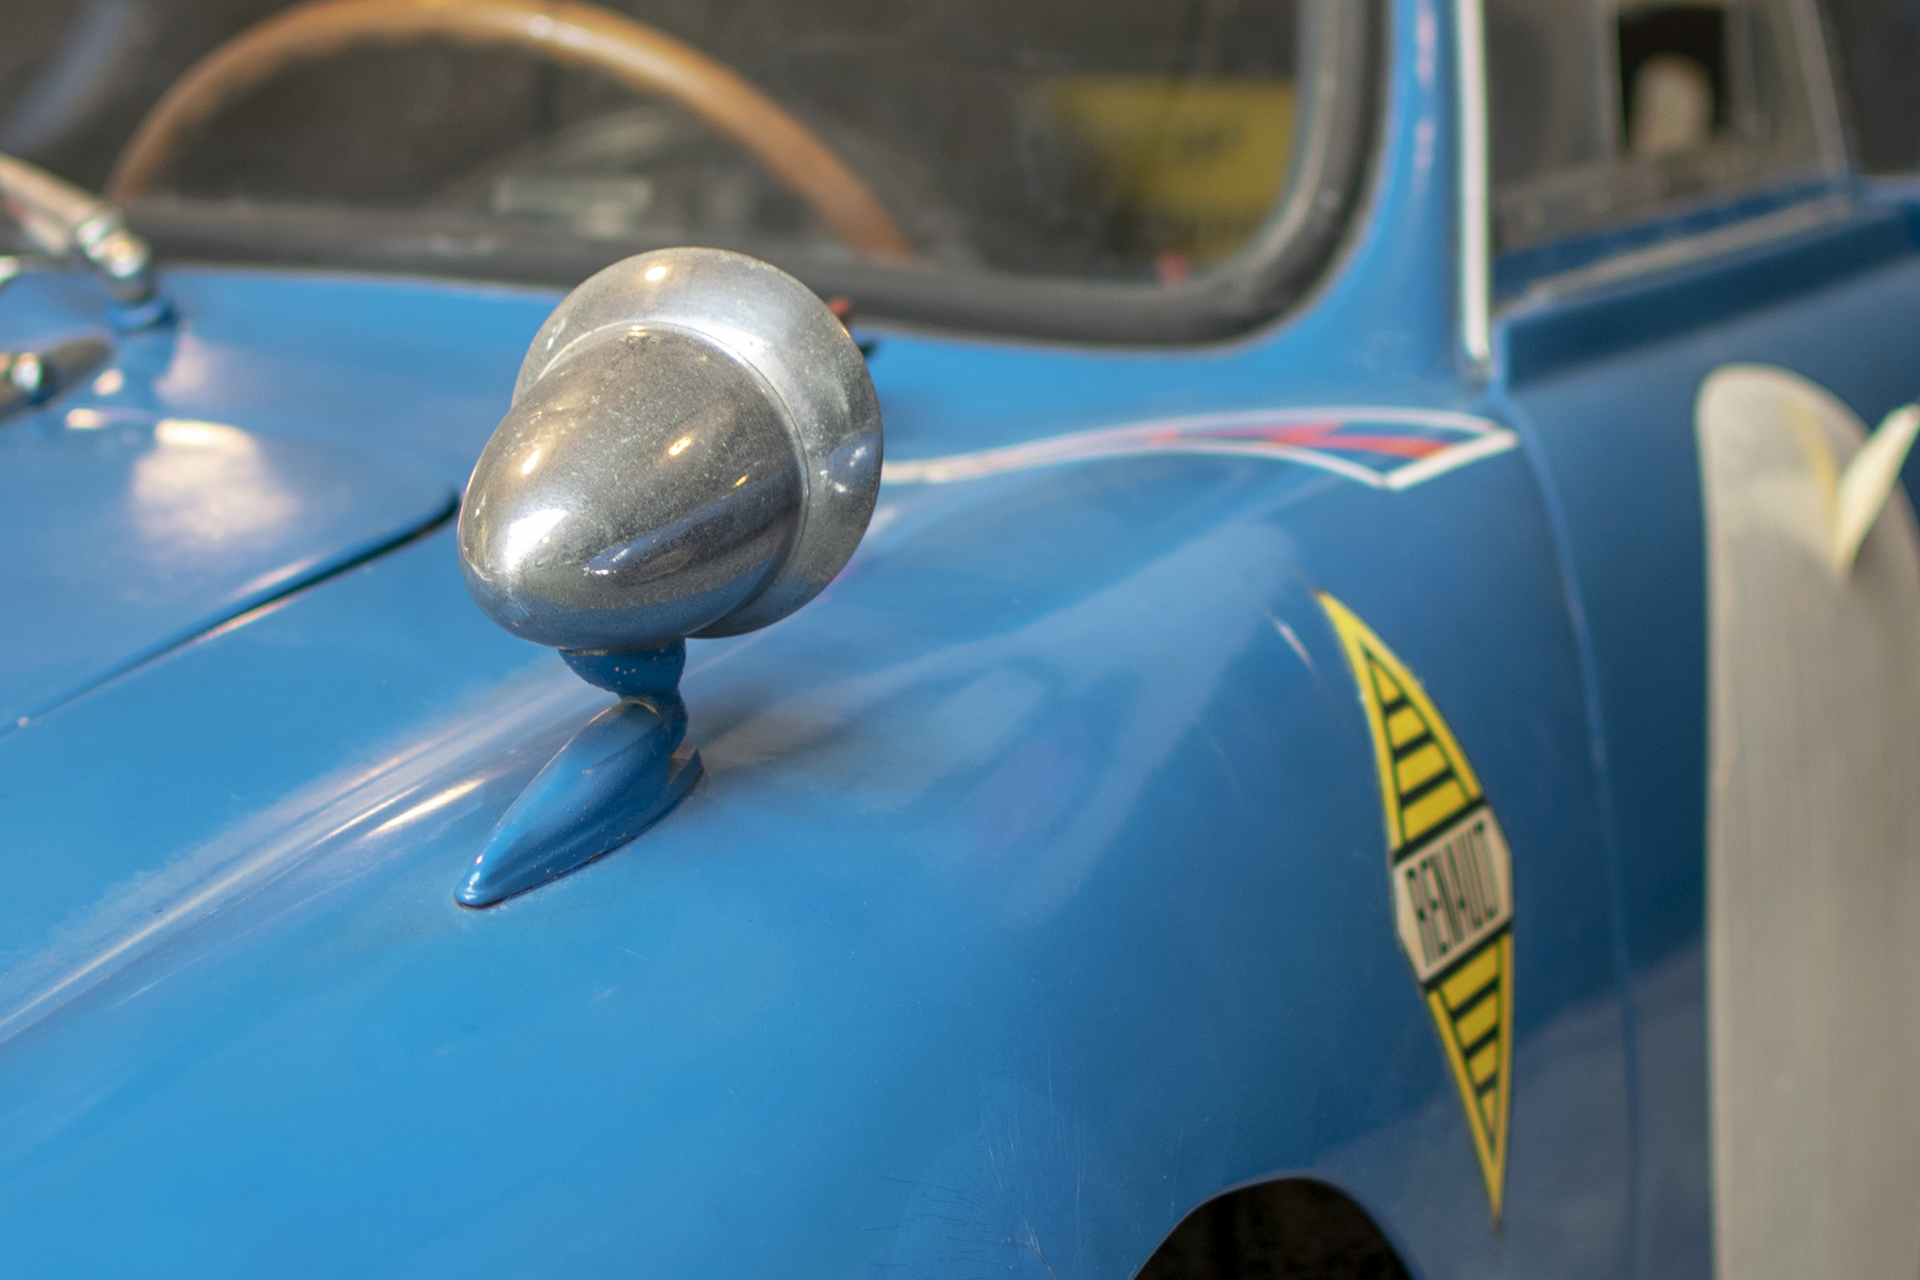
x: 1195, y: 165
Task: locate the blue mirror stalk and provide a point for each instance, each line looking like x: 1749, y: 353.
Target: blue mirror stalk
x: 615, y: 778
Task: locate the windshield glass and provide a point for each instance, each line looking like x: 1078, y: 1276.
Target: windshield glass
x: 1145, y: 142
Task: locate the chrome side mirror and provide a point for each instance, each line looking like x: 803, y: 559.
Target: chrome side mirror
x: 693, y: 449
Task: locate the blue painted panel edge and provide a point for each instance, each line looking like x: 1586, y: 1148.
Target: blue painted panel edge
x: 347, y: 558
x: 1559, y: 333
x: 1515, y: 270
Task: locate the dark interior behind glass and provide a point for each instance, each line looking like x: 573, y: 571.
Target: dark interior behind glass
x: 1608, y: 114
x: 1877, y: 48
x: 1139, y: 149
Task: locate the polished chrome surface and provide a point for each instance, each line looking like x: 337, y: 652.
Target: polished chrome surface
x: 67, y: 222
x: 29, y: 379
x: 693, y: 449
x: 1475, y: 227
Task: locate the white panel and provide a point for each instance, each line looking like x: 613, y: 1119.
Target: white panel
x: 1813, y: 916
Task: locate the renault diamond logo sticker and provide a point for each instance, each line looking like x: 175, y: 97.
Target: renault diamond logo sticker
x: 1452, y: 883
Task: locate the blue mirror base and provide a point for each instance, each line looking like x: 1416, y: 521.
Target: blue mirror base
x: 615, y: 778
x: 646, y: 673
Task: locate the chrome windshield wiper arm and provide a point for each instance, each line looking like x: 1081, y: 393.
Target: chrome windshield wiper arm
x: 74, y: 225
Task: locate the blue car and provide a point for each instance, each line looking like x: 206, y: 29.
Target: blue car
x: 1183, y: 639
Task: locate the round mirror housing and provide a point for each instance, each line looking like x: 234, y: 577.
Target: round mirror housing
x: 693, y: 449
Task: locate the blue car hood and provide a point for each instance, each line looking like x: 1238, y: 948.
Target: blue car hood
x: 128, y: 533
x: 289, y: 1011
x: 1063, y: 770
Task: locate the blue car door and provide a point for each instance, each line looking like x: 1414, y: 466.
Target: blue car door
x: 1697, y: 317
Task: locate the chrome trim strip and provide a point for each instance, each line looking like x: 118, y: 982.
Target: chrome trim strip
x: 1476, y: 267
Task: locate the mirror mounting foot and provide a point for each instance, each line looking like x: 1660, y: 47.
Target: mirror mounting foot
x: 615, y: 778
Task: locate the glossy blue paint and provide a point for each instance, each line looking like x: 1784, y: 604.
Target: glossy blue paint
x: 1513, y: 272
x: 128, y: 535
x: 642, y: 673
x: 1036, y: 891
x: 920, y: 887
x: 133, y: 317
x: 615, y: 778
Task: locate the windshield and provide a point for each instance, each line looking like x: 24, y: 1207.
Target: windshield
x: 923, y: 154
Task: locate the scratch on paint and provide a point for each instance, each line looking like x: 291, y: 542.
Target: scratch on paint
x: 1293, y: 641
x: 1033, y: 1242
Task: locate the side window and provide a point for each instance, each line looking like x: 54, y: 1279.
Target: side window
x: 1608, y: 112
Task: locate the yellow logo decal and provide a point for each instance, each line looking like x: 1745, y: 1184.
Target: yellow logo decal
x: 1452, y: 885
